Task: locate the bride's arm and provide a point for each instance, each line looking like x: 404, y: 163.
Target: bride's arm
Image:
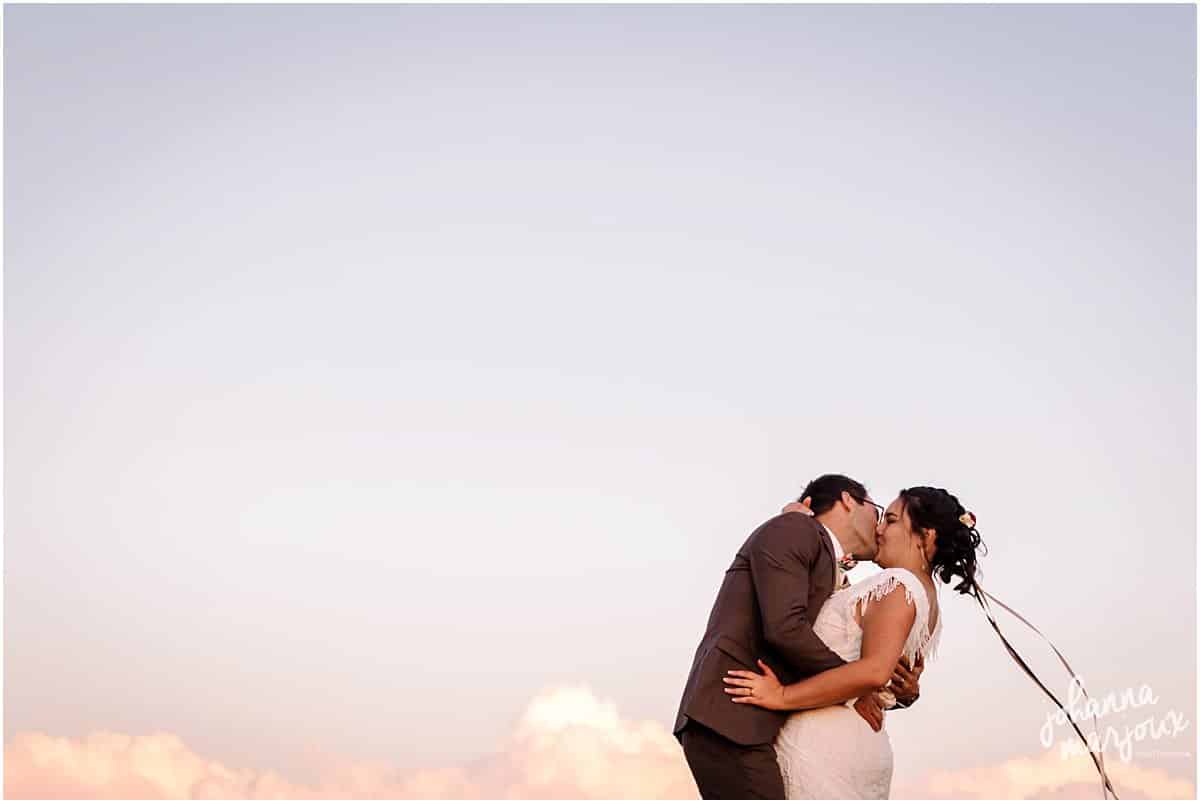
x: 885, y: 627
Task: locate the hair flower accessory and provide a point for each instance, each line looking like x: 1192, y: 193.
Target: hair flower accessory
x: 968, y: 519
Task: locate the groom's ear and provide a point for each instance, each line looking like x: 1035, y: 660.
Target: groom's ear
x: 847, y: 499
x: 807, y: 502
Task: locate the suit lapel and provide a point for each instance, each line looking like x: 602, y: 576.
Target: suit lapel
x: 827, y: 542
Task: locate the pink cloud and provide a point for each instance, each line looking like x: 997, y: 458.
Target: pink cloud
x: 567, y: 744
x: 1047, y: 776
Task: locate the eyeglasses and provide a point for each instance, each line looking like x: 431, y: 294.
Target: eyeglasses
x: 878, y: 508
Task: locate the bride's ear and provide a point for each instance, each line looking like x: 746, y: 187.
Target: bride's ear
x: 930, y: 543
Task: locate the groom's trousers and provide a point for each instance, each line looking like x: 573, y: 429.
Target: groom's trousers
x: 725, y: 770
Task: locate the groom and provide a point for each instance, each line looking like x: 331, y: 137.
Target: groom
x: 765, y: 609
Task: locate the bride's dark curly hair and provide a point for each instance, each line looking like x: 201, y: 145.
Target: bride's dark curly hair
x: 957, y: 542
x: 958, y: 546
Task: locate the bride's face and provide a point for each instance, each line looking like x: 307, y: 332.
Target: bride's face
x: 893, y: 536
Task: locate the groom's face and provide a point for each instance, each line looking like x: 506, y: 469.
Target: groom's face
x: 864, y: 518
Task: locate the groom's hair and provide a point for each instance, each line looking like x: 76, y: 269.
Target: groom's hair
x: 826, y: 491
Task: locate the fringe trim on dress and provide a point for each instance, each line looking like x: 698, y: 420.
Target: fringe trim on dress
x: 920, y: 640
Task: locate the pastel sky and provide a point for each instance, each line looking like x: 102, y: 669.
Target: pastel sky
x: 388, y: 387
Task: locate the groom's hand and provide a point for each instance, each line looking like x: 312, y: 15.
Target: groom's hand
x: 869, y: 708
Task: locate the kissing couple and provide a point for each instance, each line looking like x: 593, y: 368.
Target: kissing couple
x: 787, y: 690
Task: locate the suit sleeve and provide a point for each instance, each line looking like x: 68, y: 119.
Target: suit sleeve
x: 780, y: 561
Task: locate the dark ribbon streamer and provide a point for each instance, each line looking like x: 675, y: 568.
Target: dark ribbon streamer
x: 1098, y: 759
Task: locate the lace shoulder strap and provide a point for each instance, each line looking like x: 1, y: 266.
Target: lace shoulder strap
x: 920, y: 640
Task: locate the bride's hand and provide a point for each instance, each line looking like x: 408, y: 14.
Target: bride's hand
x: 764, y: 690
x: 798, y: 507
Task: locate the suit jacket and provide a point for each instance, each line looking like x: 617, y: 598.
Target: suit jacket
x: 771, y: 595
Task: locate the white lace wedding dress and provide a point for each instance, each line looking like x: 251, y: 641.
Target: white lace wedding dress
x: 832, y: 752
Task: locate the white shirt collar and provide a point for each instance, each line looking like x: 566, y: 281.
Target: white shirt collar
x: 838, y: 552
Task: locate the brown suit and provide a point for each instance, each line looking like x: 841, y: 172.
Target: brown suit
x: 771, y: 595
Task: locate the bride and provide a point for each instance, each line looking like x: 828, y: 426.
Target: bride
x: 825, y: 750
